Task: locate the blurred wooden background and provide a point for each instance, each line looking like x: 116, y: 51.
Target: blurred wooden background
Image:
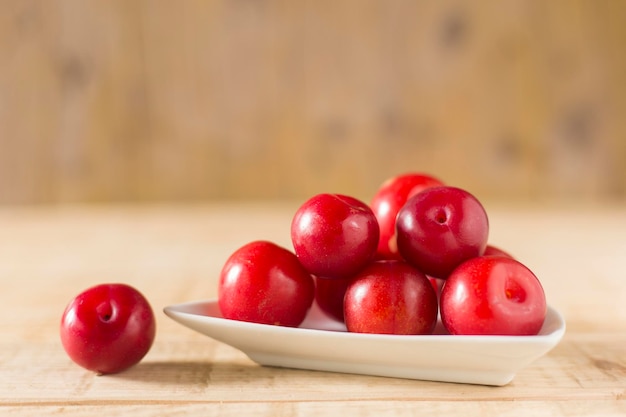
x: 187, y: 100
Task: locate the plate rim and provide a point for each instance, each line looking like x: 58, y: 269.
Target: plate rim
x: 551, y: 312
x: 506, y: 355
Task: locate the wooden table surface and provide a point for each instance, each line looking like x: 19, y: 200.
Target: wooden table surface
x: 174, y: 253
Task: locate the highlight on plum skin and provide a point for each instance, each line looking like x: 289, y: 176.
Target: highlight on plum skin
x: 440, y: 228
x: 108, y: 328
x: 334, y: 235
x: 262, y: 282
x: 387, y: 202
x: 493, y: 295
x: 390, y: 297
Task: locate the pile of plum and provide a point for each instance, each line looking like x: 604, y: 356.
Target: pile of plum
x: 418, y: 250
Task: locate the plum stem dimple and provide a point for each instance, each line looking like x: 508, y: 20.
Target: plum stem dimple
x: 105, y: 311
x: 514, y: 291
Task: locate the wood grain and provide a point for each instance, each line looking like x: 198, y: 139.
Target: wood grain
x: 173, y: 253
x: 143, y: 101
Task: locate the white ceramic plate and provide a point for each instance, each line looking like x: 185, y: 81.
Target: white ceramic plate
x: 323, y: 344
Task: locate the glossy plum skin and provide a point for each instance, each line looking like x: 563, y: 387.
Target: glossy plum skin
x: 390, y: 297
x: 388, y: 201
x: 334, y: 235
x: 108, y: 328
x: 329, y: 295
x: 441, y: 227
x: 492, y: 295
x: 262, y: 282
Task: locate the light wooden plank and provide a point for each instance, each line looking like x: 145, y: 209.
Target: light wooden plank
x: 173, y: 253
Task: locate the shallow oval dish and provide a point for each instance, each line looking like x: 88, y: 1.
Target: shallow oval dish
x: 322, y: 344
